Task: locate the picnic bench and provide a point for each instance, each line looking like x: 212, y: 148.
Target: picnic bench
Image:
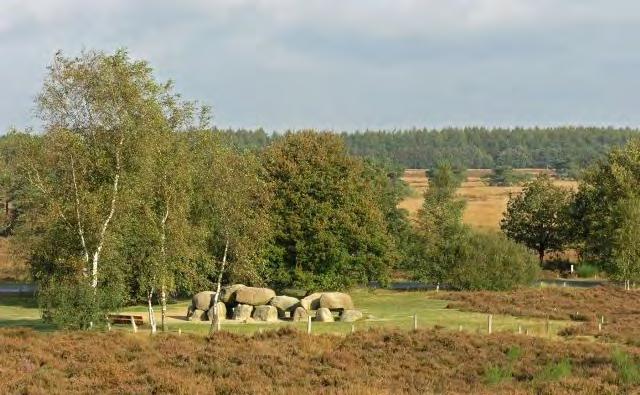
x: 125, y: 319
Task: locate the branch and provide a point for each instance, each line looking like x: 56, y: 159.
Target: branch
x: 78, y: 219
x: 105, y: 225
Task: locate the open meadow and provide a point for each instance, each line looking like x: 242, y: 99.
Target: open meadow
x: 485, y: 204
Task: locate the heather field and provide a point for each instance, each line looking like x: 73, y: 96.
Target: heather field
x: 290, y: 362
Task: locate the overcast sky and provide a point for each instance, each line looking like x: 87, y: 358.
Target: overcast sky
x: 348, y: 64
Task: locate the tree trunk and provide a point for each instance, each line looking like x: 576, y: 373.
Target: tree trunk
x: 163, y: 253
x: 152, y: 318
x: 215, y: 321
x: 105, y: 224
x: 541, y: 256
x: 163, y: 301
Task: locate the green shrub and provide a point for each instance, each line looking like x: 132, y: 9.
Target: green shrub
x: 73, y: 304
x: 488, y: 261
x: 587, y: 270
x: 628, y: 370
x: 554, y: 371
x: 496, y: 375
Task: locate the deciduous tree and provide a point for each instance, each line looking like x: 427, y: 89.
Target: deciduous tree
x: 538, y: 217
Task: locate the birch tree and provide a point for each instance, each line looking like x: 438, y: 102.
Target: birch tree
x: 231, y: 211
x: 626, y: 242
x: 99, y: 111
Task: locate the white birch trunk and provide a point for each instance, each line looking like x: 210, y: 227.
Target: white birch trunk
x: 215, y: 322
x: 78, y: 216
x: 163, y: 302
x: 163, y: 253
x: 152, y: 317
x: 105, y: 224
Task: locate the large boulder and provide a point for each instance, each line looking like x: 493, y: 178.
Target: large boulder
x: 242, y: 312
x: 324, y: 315
x: 222, y: 312
x: 299, y: 314
x: 351, y: 315
x: 197, y: 315
x: 254, y: 296
x: 203, y: 300
x: 284, y: 304
x: 265, y: 313
x: 228, y: 293
x: 311, y: 302
x: 336, y: 301
x: 295, y: 292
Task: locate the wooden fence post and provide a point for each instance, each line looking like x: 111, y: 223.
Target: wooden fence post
x: 547, y: 326
x: 353, y: 328
x: 490, y: 323
x: 520, y: 329
x: 133, y: 325
x: 415, y: 322
x: 308, y: 325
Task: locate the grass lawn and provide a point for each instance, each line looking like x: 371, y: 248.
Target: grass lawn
x: 391, y: 309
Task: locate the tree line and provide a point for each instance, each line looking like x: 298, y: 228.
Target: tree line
x: 567, y: 149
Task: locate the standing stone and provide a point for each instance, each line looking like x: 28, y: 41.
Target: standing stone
x: 284, y: 304
x: 228, y: 293
x: 311, y: 302
x: 324, y: 315
x: 350, y: 315
x: 222, y: 312
x: 265, y: 313
x: 299, y: 314
x: 242, y: 312
x: 254, y: 296
x: 336, y: 301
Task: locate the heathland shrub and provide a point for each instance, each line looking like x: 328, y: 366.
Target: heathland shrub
x: 628, y: 369
x: 587, y: 270
x: 484, y: 261
x: 72, y: 304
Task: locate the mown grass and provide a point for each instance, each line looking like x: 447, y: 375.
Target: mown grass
x: 383, y: 309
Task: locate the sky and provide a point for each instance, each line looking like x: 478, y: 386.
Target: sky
x: 349, y: 64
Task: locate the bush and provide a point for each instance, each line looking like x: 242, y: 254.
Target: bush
x: 73, y: 304
x: 628, y: 369
x: 554, y: 371
x: 587, y: 270
x: 490, y: 262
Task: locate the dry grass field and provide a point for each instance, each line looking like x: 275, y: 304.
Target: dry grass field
x: 11, y: 267
x: 485, y: 204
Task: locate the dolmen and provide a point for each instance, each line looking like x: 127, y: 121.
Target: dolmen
x: 247, y: 304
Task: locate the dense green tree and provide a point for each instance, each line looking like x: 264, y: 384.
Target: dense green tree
x: 330, y: 225
x: 626, y: 242
x: 488, y: 261
x: 602, y: 189
x: 438, y: 225
x: 538, y: 217
x: 504, y: 176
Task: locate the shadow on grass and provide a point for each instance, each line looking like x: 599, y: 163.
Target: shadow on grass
x: 29, y: 302
x: 35, y: 324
